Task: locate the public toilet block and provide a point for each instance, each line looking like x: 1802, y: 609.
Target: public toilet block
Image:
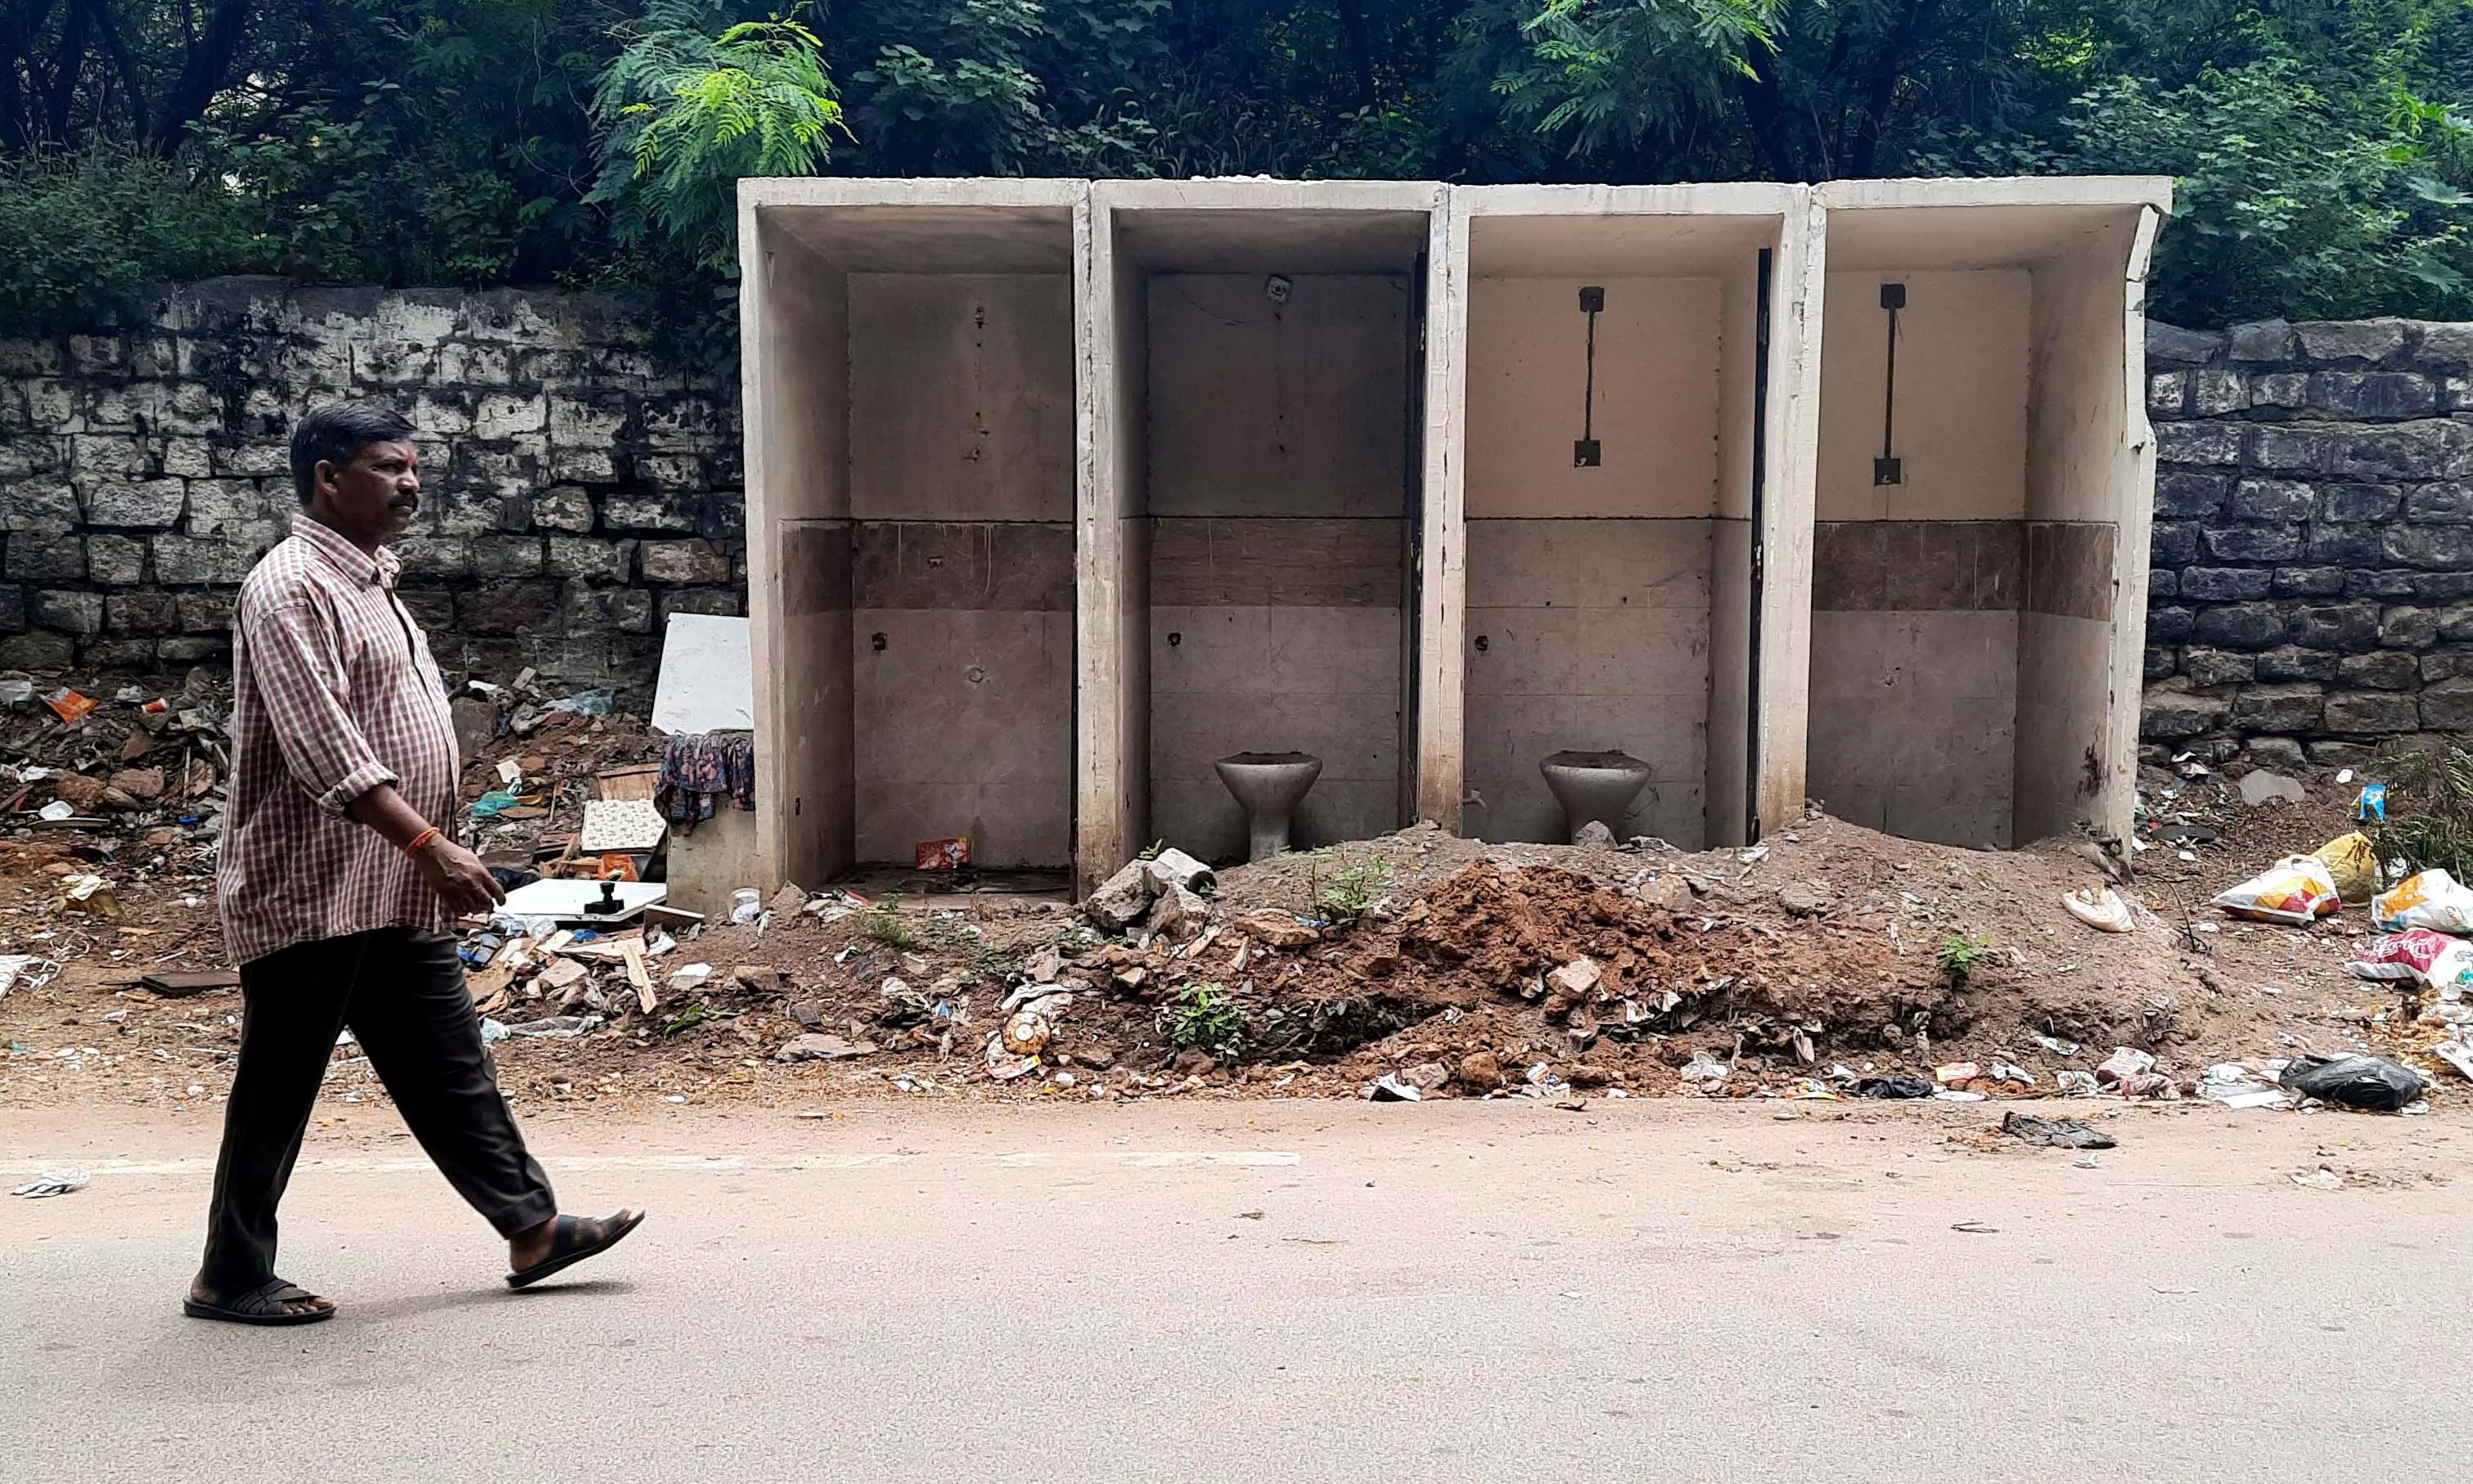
x: 1059, y: 492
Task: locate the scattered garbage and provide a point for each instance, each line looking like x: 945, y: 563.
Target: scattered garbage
x: 51, y: 1182
x: 2354, y: 1080
x: 2296, y: 891
x: 948, y: 854
x: 1894, y: 1087
x: 2055, y: 1133
x: 492, y: 1030
x: 1390, y: 1088
x: 2354, y: 865
x: 2429, y: 899
x: 2071, y: 1081
x: 2100, y: 907
x: 69, y: 706
x: 2456, y: 1054
x: 2125, y: 1063
x: 2371, y: 807
x: 815, y: 1047
x: 746, y: 905
x: 2057, y: 1046
x: 2420, y: 954
x: 557, y: 1027
x: 1705, y: 1071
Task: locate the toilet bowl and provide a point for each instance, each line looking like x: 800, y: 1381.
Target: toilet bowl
x: 1268, y: 786
x: 1594, y: 786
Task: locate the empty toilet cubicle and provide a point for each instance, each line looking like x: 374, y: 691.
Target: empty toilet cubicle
x: 910, y: 375
x: 1626, y: 423
x: 1249, y: 524
x: 1984, y: 491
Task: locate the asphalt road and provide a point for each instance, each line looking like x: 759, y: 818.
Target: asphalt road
x: 1274, y: 1292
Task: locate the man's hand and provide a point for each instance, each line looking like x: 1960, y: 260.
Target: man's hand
x: 458, y: 876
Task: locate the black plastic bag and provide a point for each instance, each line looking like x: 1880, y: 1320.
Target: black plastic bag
x: 1894, y: 1087
x: 2354, y: 1081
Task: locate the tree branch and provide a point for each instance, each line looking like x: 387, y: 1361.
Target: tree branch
x: 203, y: 72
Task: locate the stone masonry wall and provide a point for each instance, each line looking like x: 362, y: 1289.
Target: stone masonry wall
x: 2311, y: 591
x: 577, y: 488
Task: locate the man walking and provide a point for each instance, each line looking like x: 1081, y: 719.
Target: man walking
x: 337, y: 884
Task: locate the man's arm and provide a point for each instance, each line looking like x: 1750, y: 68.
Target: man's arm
x: 298, y: 658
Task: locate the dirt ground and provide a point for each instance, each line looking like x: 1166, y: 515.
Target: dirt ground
x: 1418, y: 955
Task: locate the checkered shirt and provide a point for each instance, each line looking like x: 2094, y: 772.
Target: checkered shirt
x: 334, y: 692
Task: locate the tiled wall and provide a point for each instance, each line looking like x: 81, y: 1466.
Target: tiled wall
x: 1596, y: 637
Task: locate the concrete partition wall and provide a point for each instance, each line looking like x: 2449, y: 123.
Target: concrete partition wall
x: 1609, y: 605
x: 910, y: 412
x: 1255, y: 348
x: 1976, y: 605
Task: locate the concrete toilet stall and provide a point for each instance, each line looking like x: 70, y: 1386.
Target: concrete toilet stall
x: 1257, y: 491
x: 910, y: 432
x: 1074, y: 508
x: 1979, y: 552
x: 1617, y: 385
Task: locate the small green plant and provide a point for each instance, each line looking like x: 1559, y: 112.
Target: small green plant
x: 1353, y: 887
x: 2429, y: 802
x: 884, y: 923
x: 1204, y: 1018
x: 1959, y: 956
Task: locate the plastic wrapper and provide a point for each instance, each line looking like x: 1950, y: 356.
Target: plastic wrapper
x: 2295, y: 891
x: 2354, y: 1081
x: 2418, y: 954
x: 2428, y: 899
x: 2354, y: 865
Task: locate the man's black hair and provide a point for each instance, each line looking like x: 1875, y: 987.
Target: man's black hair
x: 333, y: 433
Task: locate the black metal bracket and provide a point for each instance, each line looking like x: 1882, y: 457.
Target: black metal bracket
x: 1585, y: 453
x: 1888, y: 469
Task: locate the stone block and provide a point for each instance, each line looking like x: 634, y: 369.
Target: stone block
x: 2218, y: 392
x: 2185, y: 494
x: 2360, y: 713
x: 2342, y: 754
x: 563, y: 508
x: 2400, y: 451
x: 2408, y: 628
x: 607, y: 609
x: 509, y: 607
x: 190, y: 648
x: 188, y: 458
x: 2174, y: 345
x: 648, y: 512
x: 584, y: 465
x: 2198, y: 443
x: 2447, y: 664
x: 2442, y: 586
x: 2388, y: 669
x: 2226, y: 584
x: 39, y: 652
x: 502, y: 414
x: 258, y: 459
x: 2351, y: 339
x: 12, y: 609
x: 2262, y: 340
x: 588, y: 420
x: 207, y: 612
x: 2161, y: 662
x: 442, y: 414
x: 701, y: 600
x: 2175, y: 544
x: 116, y: 560
x: 2168, y: 625
x: 433, y: 556
x: 150, y: 505
x: 593, y: 559
x: 2379, y: 396
x: 2217, y: 667
x: 2253, y: 544
x: 506, y: 556
x: 2289, y: 389
x: 2444, y: 345
x: 2310, y: 581
x: 2447, y: 705
x: 2293, y: 708
x: 223, y: 507
x: 188, y: 561
x: 2273, y: 751
x: 2271, y: 499
x: 2236, y: 625
x: 2446, y: 504
x: 150, y: 611
x: 2358, y: 502
x: 2169, y: 716
x: 433, y: 609
x: 671, y: 473
x: 2287, y: 663
x: 2162, y: 581
x: 2345, y: 545
x: 38, y: 508
x: 2168, y: 394
x: 2345, y: 626
x: 462, y: 363
x: 2304, y: 449
x: 47, y: 559
x: 693, y: 561
x: 2440, y: 548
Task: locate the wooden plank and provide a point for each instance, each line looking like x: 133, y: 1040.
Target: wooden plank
x: 634, y: 949
x: 628, y: 783
x: 197, y: 982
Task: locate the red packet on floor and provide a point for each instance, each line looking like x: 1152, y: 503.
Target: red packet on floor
x: 945, y: 854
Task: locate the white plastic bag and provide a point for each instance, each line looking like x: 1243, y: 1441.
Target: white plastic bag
x: 2294, y: 891
x: 2431, y: 898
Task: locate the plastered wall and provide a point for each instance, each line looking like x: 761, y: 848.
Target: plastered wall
x: 1276, y: 486
x: 961, y: 636
x: 1588, y: 589
x: 1916, y: 587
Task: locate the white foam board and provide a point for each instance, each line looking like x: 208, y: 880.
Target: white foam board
x: 707, y: 675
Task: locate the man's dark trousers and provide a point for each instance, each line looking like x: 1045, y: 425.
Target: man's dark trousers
x: 403, y: 993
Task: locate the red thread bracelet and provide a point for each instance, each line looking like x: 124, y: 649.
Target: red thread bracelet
x: 421, y: 839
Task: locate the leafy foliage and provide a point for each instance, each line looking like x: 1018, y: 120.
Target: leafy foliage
x: 1204, y: 1018
x: 1959, y: 956
x: 2322, y: 147
x: 2430, y: 805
